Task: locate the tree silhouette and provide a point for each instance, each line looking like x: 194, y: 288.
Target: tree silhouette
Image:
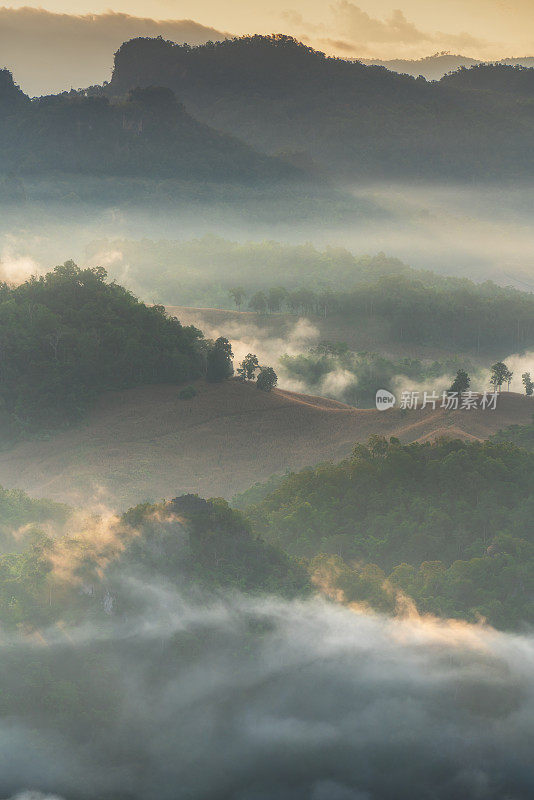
x: 267, y: 379
x: 238, y: 294
x: 461, y: 382
x: 219, y: 360
x: 528, y: 384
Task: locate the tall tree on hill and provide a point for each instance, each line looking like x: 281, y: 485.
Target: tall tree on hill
x: 248, y: 367
x: 219, y: 360
x: 528, y: 384
x: 461, y: 382
x: 500, y: 374
x: 267, y: 379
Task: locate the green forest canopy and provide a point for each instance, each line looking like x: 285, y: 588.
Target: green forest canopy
x: 451, y: 524
x: 69, y: 335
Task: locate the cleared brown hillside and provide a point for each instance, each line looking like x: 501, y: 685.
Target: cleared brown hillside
x: 146, y: 443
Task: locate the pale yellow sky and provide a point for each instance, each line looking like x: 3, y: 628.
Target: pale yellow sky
x: 378, y: 28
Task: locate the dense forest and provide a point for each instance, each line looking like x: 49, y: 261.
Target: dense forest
x: 69, y: 335
x: 148, y: 134
x: 449, y: 524
x: 404, y: 304
x: 90, y: 569
x: 520, y: 435
x: 366, y: 121
x: 201, y: 272
x: 413, y: 306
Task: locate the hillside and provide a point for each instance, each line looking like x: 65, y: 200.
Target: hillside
x: 433, y: 68
x: 366, y: 121
x: 147, y: 134
x: 146, y: 443
x: 445, y: 523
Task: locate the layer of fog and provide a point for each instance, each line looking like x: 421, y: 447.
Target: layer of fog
x: 478, y: 233
x: 243, y: 699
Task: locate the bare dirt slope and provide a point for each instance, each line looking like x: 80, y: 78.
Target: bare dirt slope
x: 146, y: 443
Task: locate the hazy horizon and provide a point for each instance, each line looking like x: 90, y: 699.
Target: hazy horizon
x: 41, y: 44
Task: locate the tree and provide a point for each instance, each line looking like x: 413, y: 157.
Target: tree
x: 275, y: 298
x: 461, y: 382
x: 500, y: 374
x: 267, y: 379
x: 219, y: 360
x: 248, y: 367
x: 237, y: 294
x: 258, y: 302
x: 528, y: 384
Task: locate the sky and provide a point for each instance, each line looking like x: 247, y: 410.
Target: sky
x: 374, y: 28
x: 70, y: 43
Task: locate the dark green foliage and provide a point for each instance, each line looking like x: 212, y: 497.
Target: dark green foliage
x: 468, y: 506
x: 528, y: 383
x: 219, y: 360
x: 22, y: 517
x: 500, y: 374
x: 69, y: 335
x: 461, y: 382
x: 146, y: 133
x: 267, y: 379
x: 208, y: 543
x: 452, y: 312
x: 520, y: 435
x: 247, y: 368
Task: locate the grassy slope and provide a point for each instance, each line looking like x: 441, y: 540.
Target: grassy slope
x: 145, y: 443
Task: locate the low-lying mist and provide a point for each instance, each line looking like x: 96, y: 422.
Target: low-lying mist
x: 455, y: 230
x: 263, y: 699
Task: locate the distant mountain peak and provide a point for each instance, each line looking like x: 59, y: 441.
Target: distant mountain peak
x: 10, y: 93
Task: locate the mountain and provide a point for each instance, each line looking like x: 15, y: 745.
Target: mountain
x: 11, y: 96
x: 147, y: 443
x: 433, y: 68
x: 510, y: 80
x: 148, y: 134
x: 357, y: 121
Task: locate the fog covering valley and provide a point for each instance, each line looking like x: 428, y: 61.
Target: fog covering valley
x: 262, y: 698
x: 225, y: 573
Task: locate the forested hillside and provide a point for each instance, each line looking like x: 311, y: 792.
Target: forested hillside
x: 192, y: 544
x: 148, y: 134
x: 379, y: 291
x: 366, y: 121
x: 449, y: 524
x: 69, y: 335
